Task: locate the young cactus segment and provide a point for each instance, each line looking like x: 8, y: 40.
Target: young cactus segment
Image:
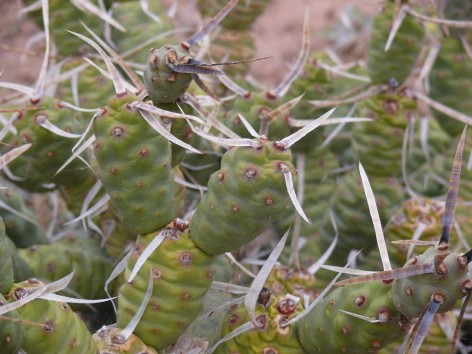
x: 245, y: 197
x: 182, y: 275
x: 110, y: 341
x: 163, y: 84
x: 272, y: 335
x: 171, y: 68
x: 328, y: 329
x: 12, y: 331
x: 50, y: 326
x: 450, y: 282
x: 134, y: 166
x: 400, y: 59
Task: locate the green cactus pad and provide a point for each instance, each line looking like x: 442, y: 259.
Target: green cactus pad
x: 411, y: 295
x: 272, y: 337
x: 182, y: 274
x: 244, y: 198
x: 134, y: 167
x: 328, y: 330
x: 60, y: 330
x: 162, y: 83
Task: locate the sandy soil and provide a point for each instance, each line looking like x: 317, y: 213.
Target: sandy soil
x: 278, y: 33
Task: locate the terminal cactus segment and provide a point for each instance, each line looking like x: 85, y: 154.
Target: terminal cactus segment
x: 326, y: 329
x: 244, y: 198
x: 272, y: 336
x: 182, y: 274
x: 110, y: 341
x: 448, y: 283
x: 50, y: 326
x: 164, y: 85
x: 134, y: 165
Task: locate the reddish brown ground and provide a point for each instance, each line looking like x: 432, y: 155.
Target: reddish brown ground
x: 278, y: 34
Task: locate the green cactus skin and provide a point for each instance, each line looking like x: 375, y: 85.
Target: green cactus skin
x: 110, y: 341
x: 459, y: 10
x: 273, y: 337
x: 327, y: 330
x: 11, y: 332
x: 6, y: 263
x: 378, y: 144
x: 318, y: 191
x: 134, y: 167
x: 21, y: 270
x: 435, y: 342
x: 403, y: 223
x: 118, y: 237
x: 61, y: 330
x: 400, y: 59
x: 94, y: 90
x: 37, y: 166
x: 448, y: 282
x: 182, y: 274
x: 242, y: 16
x: 450, y: 83
x: 352, y: 215
x: 244, y: 198
x: 201, y: 167
x: 162, y: 83
x: 22, y: 232
x: 79, y: 254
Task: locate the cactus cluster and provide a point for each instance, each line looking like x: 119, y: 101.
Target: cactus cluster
x: 144, y: 183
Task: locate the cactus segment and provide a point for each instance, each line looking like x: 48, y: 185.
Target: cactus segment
x: 60, y: 330
x: 110, y: 341
x: 249, y: 186
x: 328, y: 330
x: 163, y: 84
x: 35, y: 169
x: 400, y: 59
x: 79, y: 254
x: 182, y: 275
x: 134, y: 167
x: 272, y: 335
x: 449, y: 281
